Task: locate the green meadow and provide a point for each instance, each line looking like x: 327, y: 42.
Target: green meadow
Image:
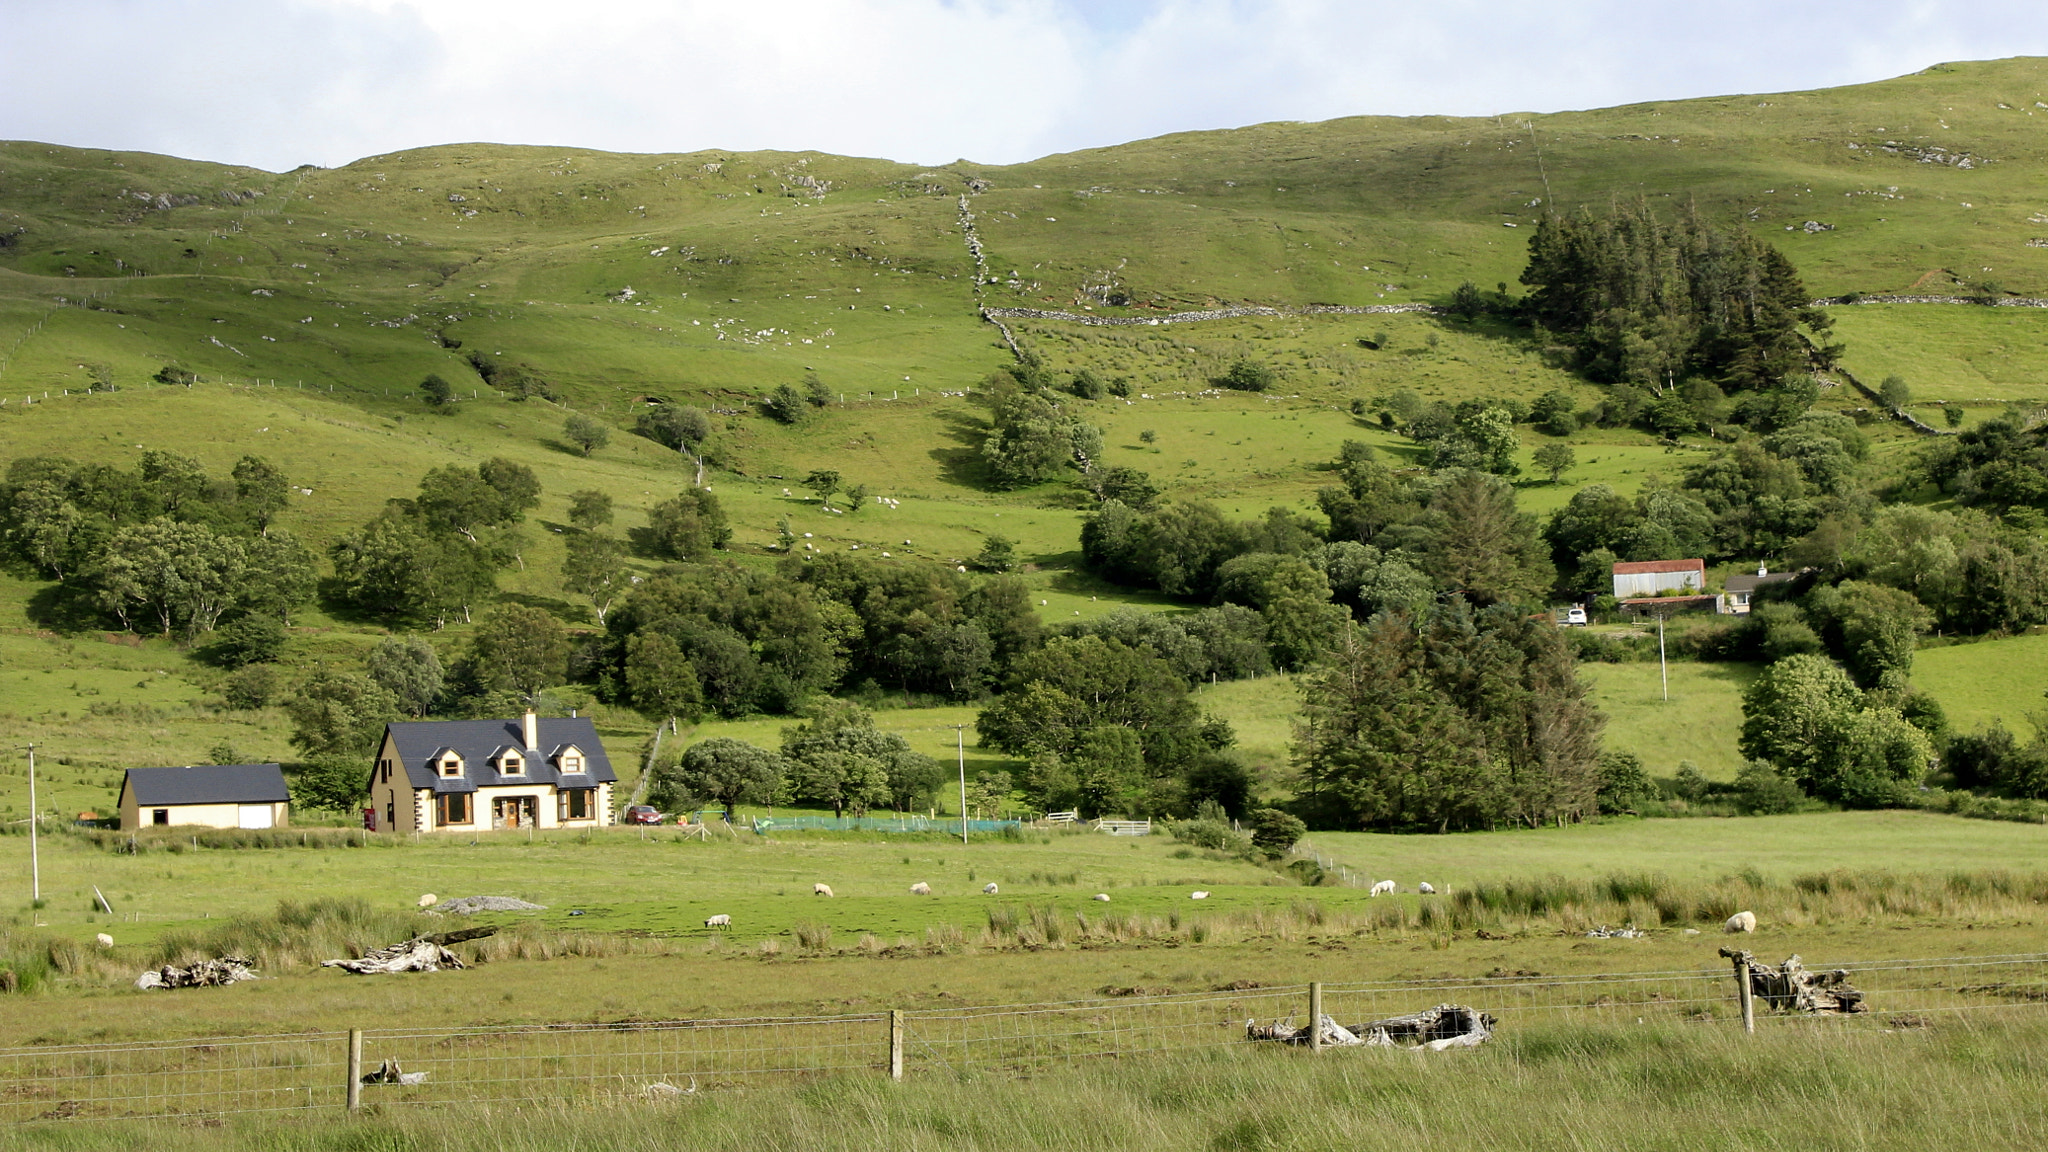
x: 312, y: 303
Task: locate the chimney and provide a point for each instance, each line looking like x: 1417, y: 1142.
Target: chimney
x: 531, y: 723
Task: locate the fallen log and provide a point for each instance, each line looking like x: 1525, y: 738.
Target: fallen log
x: 390, y: 1073
x: 1438, y: 1028
x: 204, y: 974
x: 419, y: 954
x: 1792, y: 987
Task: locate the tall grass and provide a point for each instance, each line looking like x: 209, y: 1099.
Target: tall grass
x: 1560, y: 903
x: 1959, y: 1084
x: 301, y: 935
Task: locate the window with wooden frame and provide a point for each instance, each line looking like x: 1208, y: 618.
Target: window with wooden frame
x: 451, y: 808
x: 512, y: 765
x: 574, y: 804
x: 572, y: 763
x: 451, y: 766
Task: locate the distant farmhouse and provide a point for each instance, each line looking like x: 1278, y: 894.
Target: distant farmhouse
x: 1659, y: 578
x: 205, y: 796
x: 475, y: 775
x: 1742, y: 591
x: 1661, y: 587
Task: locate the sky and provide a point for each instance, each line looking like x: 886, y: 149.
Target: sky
x: 279, y: 83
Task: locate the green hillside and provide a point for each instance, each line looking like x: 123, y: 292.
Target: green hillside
x: 311, y: 303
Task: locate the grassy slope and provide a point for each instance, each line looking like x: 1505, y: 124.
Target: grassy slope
x: 340, y: 280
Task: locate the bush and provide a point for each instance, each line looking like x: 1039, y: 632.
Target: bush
x: 1214, y: 835
x: 586, y: 433
x: 1691, y: 784
x: 1275, y: 832
x: 1248, y: 376
x: 1760, y: 790
x: 998, y: 554
x: 249, y: 640
x: 1624, y: 786
x: 252, y: 686
x: 786, y: 405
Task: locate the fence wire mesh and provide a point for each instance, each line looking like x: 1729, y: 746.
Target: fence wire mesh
x: 174, y: 1077
x: 596, y: 1063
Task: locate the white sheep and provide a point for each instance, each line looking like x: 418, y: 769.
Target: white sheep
x: 1740, y: 922
x: 1425, y: 888
x: 1102, y: 896
x: 104, y: 940
x: 429, y: 900
x: 989, y: 889
x: 719, y: 921
x: 920, y: 889
x: 1198, y: 895
x: 1386, y: 886
x: 821, y: 889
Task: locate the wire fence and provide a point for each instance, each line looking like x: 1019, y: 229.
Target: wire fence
x: 627, y: 1061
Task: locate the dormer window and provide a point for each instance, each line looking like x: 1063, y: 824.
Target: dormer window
x: 511, y: 765
x: 451, y: 766
x: 569, y: 761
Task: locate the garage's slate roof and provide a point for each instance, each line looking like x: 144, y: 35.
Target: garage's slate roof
x: 207, y: 784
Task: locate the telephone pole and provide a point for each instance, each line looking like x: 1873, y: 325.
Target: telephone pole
x: 35, y: 863
x: 960, y: 743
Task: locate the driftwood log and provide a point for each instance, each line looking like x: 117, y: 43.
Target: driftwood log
x: 419, y: 954
x: 206, y: 973
x: 1438, y: 1028
x: 1792, y: 987
x: 390, y: 1073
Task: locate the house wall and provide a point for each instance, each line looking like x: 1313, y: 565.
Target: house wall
x: 546, y: 808
x: 135, y: 815
x: 1639, y: 584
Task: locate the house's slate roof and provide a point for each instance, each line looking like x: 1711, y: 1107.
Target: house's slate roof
x: 1751, y: 581
x: 1644, y: 567
x: 207, y: 784
x: 420, y: 743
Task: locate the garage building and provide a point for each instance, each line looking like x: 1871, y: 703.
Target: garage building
x: 205, y: 796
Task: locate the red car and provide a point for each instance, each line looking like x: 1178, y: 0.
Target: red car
x: 642, y: 814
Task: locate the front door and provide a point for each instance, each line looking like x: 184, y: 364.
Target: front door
x: 514, y: 812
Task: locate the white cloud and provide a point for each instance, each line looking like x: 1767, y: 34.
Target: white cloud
x: 280, y: 82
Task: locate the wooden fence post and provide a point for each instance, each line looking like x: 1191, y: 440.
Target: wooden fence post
x: 1315, y: 1016
x: 895, y: 1044
x: 355, y: 1069
x: 1746, y: 993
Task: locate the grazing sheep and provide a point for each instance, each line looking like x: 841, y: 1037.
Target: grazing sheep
x: 989, y: 889
x: 1198, y: 895
x: 1102, y: 896
x: 104, y: 940
x: 920, y: 889
x: 821, y: 889
x: 1740, y: 922
x: 719, y: 921
x: 429, y: 900
x: 1425, y: 889
x: 1386, y: 886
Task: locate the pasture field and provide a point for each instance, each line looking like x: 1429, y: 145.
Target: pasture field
x: 1700, y: 722
x: 637, y: 943
x: 2004, y: 680
x: 1569, y: 1088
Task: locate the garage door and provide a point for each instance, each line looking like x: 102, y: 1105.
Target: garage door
x: 255, y: 816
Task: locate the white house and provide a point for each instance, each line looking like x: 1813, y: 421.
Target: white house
x: 476, y: 775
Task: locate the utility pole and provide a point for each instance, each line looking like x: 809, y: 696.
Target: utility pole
x: 35, y: 863
x: 1663, y: 669
x: 960, y: 743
